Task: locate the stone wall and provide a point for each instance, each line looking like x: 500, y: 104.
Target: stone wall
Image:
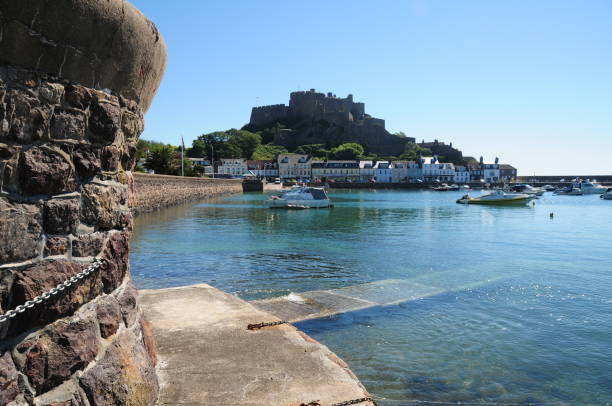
x: 154, y: 192
x: 66, y: 152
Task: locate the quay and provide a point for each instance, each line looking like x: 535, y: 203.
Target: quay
x: 207, y: 356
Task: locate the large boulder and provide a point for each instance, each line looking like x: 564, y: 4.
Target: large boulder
x: 100, y: 44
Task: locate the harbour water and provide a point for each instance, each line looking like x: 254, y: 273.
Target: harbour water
x: 520, y: 310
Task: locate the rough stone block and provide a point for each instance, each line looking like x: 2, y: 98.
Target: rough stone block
x: 44, y: 170
x: 108, y: 314
x: 51, y: 93
x: 56, y: 246
x: 67, y: 394
x: 52, y: 356
x: 29, y: 119
x: 61, y: 216
x: 132, y: 125
x: 68, y: 124
x: 101, y: 205
x: 124, y: 376
x: 104, y: 121
x: 20, y: 231
x: 86, y: 161
x: 9, y: 388
x: 78, y: 96
x: 88, y: 245
x: 116, y: 254
x: 128, y: 301
x: 110, y: 158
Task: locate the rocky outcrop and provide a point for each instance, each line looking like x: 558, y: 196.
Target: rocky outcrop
x: 75, y: 78
x: 152, y: 192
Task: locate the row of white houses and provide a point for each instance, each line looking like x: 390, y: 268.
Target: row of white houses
x: 305, y: 168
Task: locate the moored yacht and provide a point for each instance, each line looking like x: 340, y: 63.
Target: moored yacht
x: 301, y: 197
x: 589, y: 187
x: 498, y: 198
x: 527, y: 189
x: 568, y: 191
x: 607, y: 195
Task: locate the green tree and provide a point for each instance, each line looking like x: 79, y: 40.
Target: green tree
x: 198, y: 149
x: 315, y: 150
x: 268, y: 152
x: 162, y: 160
x: 412, y: 152
x: 350, y: 150
x: 246, y: 141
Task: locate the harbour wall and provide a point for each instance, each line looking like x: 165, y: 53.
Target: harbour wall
x: 152, y: 192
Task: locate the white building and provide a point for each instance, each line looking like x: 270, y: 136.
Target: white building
x: 415, y: 172
x: 462, y: 175
x: 263, y: 168
x: 294, y: 166
x: 199, y: 161
x: 383, y: 172
x: 366, y: 171
x: 399, y: 171
x: 233, y: 166
x: 335, y: 170
x: 434, y: 171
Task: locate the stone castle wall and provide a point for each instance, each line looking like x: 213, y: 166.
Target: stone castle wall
x: 66, y: 152
x: 154, y: 192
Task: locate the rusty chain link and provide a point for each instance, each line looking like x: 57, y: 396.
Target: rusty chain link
x: 345, y: 403
x: 257, y: 326
x: 53, y: 292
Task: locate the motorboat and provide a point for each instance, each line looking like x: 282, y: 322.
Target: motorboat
x: 526, y: 189
x: 549, y: 188
x: 607, y: 195
x: 590, y: 187
x: 569, y: 191
x: 442, y: 188
x: 464, y: 187
x: 301, y: 197
x: 453, y: 187
x: 498, y: 198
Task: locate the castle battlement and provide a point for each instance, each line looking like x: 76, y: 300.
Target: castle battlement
x: 313, y: 105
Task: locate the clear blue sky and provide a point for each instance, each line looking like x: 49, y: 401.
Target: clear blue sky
x: 528, y: 81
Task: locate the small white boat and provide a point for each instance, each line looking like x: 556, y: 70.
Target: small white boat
x: 526, y: 189
x: 607, y: 194
x: 498, y: 198
x: 464, y: 187
x: 549, y: 188
x: 569, y: 191
x: 590, y: 187
x: 301, y: 197
x: 442, y: 188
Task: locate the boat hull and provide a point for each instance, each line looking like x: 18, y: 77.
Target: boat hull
x: 299, y: 204
x: 518, y: 201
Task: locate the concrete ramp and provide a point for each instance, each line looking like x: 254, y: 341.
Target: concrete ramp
x: 324, y: 303
x: 206, y: 355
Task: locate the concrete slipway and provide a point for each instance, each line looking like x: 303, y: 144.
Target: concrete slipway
x: 206, y: 355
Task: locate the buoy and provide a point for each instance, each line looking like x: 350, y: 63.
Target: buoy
x: 552, y: 214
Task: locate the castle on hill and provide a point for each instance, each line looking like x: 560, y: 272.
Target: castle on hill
x: 316, y: 106
x: 318, y: 118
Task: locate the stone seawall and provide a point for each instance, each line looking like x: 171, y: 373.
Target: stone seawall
x: 152, y: 192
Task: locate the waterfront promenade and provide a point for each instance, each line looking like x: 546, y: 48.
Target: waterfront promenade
x: 206, y: 354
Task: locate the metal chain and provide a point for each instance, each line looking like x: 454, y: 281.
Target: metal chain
x: 257, y: 326
x: 53, y: 292
x: 345, y: 403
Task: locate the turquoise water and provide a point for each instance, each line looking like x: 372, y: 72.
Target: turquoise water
x: 525, y: 310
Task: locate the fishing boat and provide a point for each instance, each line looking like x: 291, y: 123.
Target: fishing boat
x: 498, y: 198
x: 568, y: 191
x: 607, y: 195
x: 301, y: 197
